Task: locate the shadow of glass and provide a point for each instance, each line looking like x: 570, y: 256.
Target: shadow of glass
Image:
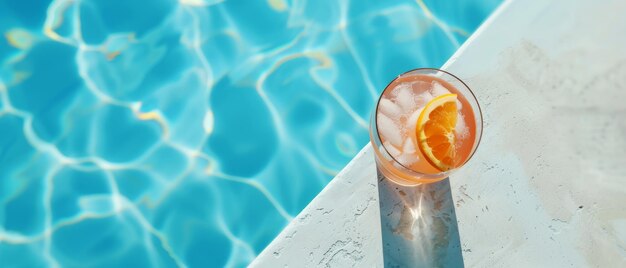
x: 419, y: 227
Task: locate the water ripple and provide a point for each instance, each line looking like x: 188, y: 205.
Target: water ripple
x: 188, y: 133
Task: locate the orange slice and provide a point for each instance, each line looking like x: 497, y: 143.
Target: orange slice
x: 435, y: 131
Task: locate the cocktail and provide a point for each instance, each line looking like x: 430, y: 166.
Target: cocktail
x: 427, y: 123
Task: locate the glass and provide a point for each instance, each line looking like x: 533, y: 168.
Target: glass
x: 411, y: 106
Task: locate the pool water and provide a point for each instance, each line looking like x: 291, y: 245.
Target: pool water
x: 189, y: 133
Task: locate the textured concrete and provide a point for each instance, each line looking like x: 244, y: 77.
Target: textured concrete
x: 340, y: 228
x: 547, y: 186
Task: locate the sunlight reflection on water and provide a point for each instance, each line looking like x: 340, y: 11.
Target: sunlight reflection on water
x: 189, y: 133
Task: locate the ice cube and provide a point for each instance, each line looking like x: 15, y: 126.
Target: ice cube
x: 405, y: 98
x: 398, y: 88
x: 389, y: 108
x: 408, y: 147
x: 460, y: 129
x: 393, y: 151
x: 389, y: 130
x: 423, y: 98
x: 413, y: 119
x: 459, y: 106
x: 420, y: 86
x: 407, y: 159
x: 438, y: 89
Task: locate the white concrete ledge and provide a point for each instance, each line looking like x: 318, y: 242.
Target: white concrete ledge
x: 547, y: 186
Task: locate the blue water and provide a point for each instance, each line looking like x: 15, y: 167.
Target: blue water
x: 188, y: 133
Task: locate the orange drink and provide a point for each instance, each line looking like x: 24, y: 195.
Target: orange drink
x: 427, y: 123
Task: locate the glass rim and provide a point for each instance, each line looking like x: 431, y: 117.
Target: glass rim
x: 480, y: 117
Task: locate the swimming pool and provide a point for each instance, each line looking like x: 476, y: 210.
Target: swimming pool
x: 188, y: 133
